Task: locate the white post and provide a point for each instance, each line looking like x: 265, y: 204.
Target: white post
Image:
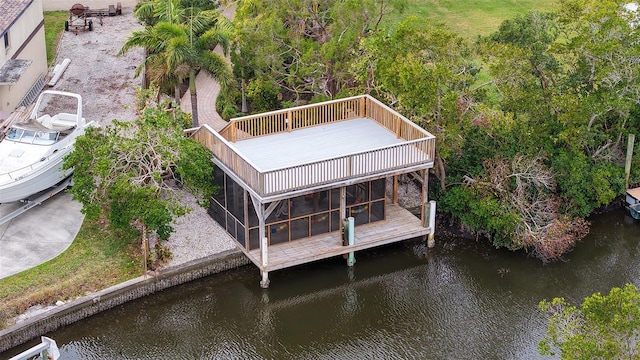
x: 263, y: 251
x: 351, y: 259
x: 264, y: 283
x: 432, y: 224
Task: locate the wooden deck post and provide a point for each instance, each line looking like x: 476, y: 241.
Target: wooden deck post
x: 233, y: 132
x: 246, y: 217
x: 264, y: 244
x: 432, y: 224
x: 343, y: 205
x: 264, y: 282
x: 351, y: 259
x: 425, y: 195
x: 394, y: 195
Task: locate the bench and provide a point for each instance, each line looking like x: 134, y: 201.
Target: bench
x: 64, y: 121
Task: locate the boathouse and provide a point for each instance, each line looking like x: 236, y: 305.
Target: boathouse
x: 317, y: 181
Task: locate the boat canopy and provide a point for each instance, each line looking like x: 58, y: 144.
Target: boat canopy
x: 37, y: 135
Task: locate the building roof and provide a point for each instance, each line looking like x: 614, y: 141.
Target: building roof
x: 315, y: 143
x: 11, y: 71
x: 10, y: 11
x: 326, y: 144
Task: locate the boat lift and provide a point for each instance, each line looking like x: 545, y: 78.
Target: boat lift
x: 46, y: 350
x: 41, y: 197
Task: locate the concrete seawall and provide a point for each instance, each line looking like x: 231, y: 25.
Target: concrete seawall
x: 117, y: 295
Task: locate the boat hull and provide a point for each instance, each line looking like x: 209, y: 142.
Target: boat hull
x: 32, y: 152
x: 40, y: 179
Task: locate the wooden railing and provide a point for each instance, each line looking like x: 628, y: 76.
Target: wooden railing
x: 418, y: 148
x: 279, y: 121
x: 222, y: 150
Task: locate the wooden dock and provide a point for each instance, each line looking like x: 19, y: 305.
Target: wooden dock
x: 400, y: 224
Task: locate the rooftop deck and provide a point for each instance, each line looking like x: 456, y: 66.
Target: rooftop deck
x: 327, y: 143
x: 398, y: 225
x: 315, y: 144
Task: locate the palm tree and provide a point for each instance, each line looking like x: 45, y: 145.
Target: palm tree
x: 178, y: 46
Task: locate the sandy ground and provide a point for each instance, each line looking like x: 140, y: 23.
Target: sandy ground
x: 104, y: 79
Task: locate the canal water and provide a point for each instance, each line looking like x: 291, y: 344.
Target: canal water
x: 461, y: 300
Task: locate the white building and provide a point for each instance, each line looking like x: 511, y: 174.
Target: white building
x: 23, y: 56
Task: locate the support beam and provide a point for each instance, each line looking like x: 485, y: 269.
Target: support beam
x: 264, y: 244
x: 264, y: 241
x: 264, y: 283
x: 394, y: 195
x: 432, y: 224
x: 425, y: 194
x: 351, y: 259
x: 246, y: 218
x: 256, y: 202
x: 343, y: 206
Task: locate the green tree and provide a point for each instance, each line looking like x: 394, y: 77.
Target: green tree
x: 425, y: 72
x: 604, y: 327
x: 129, y: 172
x: 304, y: 46
x: 150, y: 12
x: 180, y: 45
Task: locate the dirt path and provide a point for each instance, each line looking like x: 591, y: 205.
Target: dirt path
x: 104, y: 79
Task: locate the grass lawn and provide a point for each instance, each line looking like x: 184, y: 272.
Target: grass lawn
x: 471, y: 18
x: 53, y: 28
x: 98, y: 258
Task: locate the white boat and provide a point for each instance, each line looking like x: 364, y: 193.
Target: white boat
x: 33, y: 150
x: 46, y: 350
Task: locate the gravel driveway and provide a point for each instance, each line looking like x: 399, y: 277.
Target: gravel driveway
x: 104, y: 79
x: 107, y: 86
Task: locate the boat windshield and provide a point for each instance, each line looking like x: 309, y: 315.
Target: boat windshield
x: 30, y: 136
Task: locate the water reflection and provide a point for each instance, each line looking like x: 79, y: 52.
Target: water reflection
x: 459, y: 301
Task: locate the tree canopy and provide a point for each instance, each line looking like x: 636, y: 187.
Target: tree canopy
x: 303, y: 47
x: 604, y: 327
x: 129, y: 172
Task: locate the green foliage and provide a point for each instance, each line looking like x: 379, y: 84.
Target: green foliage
x: 483, y: 213
x: 604, y: 327
x: 151, y: 12
x: 226, y: 103
x: 306, y: 47
x: 585, y: 184
x: 128, y: 171
x: 180, y: 42
x: 262, y: 94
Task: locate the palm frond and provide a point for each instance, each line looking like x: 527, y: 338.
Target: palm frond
x: 218, y: 67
